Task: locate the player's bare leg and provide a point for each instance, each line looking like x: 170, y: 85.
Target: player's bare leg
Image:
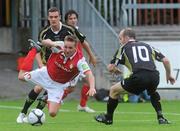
x: 53, y: 108
x: 26, y: 67
x: 43, y: 99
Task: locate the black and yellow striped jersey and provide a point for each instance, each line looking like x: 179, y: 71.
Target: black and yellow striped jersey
x: 137, y: 56
x: 47, y: 33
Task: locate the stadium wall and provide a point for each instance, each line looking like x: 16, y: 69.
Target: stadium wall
x: 5, y: 40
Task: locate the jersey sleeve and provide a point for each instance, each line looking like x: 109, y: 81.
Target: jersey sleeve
x: 42, y: 33
x: 157, y: 54
x: 118, y: 57
x: 83, y: 65
x: 76, y: 32
x: 113, y: 60
x: 79, y: 35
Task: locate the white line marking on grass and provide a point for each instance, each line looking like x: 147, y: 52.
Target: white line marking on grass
x: 144, y: 121
x: 148, y: 113
x: 10, y: 107
x: 68, y: 122
x: 117, y: 112
x: 19, y: 108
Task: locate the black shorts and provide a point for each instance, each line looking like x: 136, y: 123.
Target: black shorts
x: 140, y: 81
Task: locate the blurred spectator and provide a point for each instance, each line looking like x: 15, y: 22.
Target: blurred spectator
x: 143, y: 97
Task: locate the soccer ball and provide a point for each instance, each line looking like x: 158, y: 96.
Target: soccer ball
x: 36, y: 117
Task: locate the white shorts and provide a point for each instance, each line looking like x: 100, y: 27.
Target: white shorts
x: 55, y: 90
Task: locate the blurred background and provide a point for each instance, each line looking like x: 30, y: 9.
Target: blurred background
x: 156, y: 22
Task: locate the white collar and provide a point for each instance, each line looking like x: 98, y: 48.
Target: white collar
x: 73, y: 55
x: 130, y: 40
x: 60, y: 26
x: 65, y: 58
x: 69, y: 57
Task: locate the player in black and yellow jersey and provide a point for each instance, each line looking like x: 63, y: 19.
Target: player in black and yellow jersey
x: 139, y: 58
x: 58, y: 37
x: 54, y: 33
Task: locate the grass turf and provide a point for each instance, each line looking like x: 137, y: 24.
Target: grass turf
x: 128, y: 117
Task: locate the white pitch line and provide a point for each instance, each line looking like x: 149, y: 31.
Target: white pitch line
x: 116, y: 112
x: 10, y: 107
x: 19, y: 108
x: 115, y: 121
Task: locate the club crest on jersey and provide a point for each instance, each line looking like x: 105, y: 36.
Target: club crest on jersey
x: 61, y: 56
x: 71, y: 66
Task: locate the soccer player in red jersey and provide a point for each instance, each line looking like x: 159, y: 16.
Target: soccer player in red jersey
x: 71, y: 19
x: 55, y: 31
x: 62, y: 71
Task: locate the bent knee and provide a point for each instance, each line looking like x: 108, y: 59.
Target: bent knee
x: 52, y: 114
x: 115, y: 90
x: 37, y: 89
x: 21, y: 77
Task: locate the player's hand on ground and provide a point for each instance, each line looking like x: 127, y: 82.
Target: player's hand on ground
x: 91, y: 92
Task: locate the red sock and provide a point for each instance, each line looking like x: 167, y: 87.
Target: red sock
x: 28, y: 61
x: 84, y: 97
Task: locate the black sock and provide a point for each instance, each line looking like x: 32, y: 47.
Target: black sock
x: 111, y: 106
x: 42, y: 103
x: 155, y: 101
x: 29, y: 100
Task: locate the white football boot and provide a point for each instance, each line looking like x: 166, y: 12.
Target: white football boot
x: 20, y: 118
x: 85, y: 109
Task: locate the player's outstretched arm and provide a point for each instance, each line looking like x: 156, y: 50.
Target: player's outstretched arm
x: 91, y: 81
x: 92, y: 58
x: 167, y: 67
x: 49, y: 43
x: 56, y: 46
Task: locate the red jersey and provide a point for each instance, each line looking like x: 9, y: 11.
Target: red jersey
x: 62, y: 69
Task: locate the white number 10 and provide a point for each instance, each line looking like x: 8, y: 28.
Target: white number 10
x: 138, y: 52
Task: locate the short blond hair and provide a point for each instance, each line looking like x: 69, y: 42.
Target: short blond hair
x: 70, y: 38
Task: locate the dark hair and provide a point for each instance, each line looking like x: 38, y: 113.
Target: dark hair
x: 54, y: 9
x: 70, y: 12
x: 129, y: 32
x: 70, y: 38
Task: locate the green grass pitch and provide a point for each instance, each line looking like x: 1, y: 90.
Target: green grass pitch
x: 128, y: 117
